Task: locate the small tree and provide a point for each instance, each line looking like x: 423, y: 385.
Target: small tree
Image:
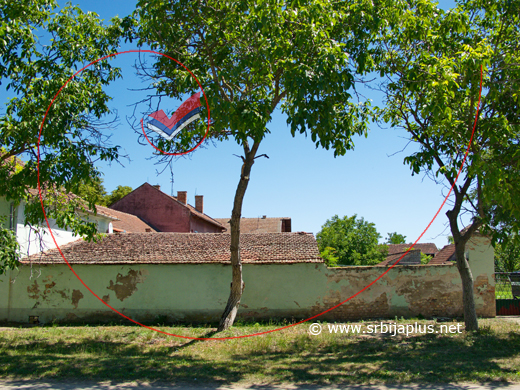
x: 119, y: 193
x: 329, y: 256
x: 93, y: 191
x: 425, y: 259
x: 395, y: 238
x: 253, y: 57
x: 354, y: 241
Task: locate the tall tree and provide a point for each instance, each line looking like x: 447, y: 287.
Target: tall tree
x: 432, y: 61
x: 41, y: 47
x: 253, y: 57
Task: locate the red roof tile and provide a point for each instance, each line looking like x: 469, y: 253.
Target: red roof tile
x: 444, y: 255
x: 391, y: 259
x: 255, y: 225
x: 192, y: 248
x: 127, y: 223
x: 426, y: 248
x: 197, y: 213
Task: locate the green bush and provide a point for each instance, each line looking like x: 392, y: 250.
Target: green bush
x: 9, y: 249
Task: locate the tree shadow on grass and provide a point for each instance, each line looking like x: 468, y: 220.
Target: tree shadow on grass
x: 108, y: 360
x: 208, y: 334
x: 299, y: 360
x: 424, y: 359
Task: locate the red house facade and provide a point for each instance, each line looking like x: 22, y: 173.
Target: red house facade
x: 166, y: 213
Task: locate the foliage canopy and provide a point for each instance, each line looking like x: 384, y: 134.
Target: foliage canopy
x: 41, y: 47
x: 353, y: 240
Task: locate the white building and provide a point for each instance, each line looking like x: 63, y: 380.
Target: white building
x: 35, y: 239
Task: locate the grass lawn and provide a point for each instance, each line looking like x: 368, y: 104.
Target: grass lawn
x: 291, y: 355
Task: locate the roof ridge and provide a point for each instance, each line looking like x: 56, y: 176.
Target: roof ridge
x: 187, y: 205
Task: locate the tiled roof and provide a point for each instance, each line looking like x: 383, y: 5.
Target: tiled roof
x: 406, y: 260
x: 255, y: 225
x: 395, y: 251
x: 197, y: 213
x: 192, y: 248
x: 126, y: 223
x: 444, y: 255
x: 426, y: 248
x: 104, y: 211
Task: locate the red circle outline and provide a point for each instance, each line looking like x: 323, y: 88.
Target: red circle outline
x: 253, y: 334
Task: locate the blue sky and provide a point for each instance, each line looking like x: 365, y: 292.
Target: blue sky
x: 298, y: 181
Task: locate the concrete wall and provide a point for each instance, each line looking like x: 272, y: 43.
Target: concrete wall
x: 198, y: 292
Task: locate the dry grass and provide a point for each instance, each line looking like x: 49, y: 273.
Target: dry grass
x: 291, y: 355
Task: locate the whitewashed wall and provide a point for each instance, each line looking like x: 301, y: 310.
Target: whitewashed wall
x: 36, y: 239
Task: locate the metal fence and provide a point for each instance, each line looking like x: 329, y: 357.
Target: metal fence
x: 507, y: 285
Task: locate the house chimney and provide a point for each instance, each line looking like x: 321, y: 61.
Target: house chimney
x: 182, y: 196
x: 157, y: 186
x: 264, y: 216
x: 199, y: 203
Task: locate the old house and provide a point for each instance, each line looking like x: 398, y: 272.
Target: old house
x: 166, y: 213
x: 126, y: 223
x: 35, y: 239
x: 445, y: 256
x: 397, y: 251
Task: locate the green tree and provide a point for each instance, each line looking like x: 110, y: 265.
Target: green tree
x: 93, y: 192
x: 329, y: 256
x: 395, y: 238
x: 9, y: 248
x: 119, y: 193
x: 425, y: 259
x: 253, y: 57
x: 354, y: 240
x: 33, y: 69
x: 431, y: 60
x: 507, y: 256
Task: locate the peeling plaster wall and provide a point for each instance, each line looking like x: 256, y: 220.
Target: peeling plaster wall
x: 198, y: 292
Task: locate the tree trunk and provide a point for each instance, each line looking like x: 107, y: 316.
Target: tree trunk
x: 237, y: 284
x: 468, y: 300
